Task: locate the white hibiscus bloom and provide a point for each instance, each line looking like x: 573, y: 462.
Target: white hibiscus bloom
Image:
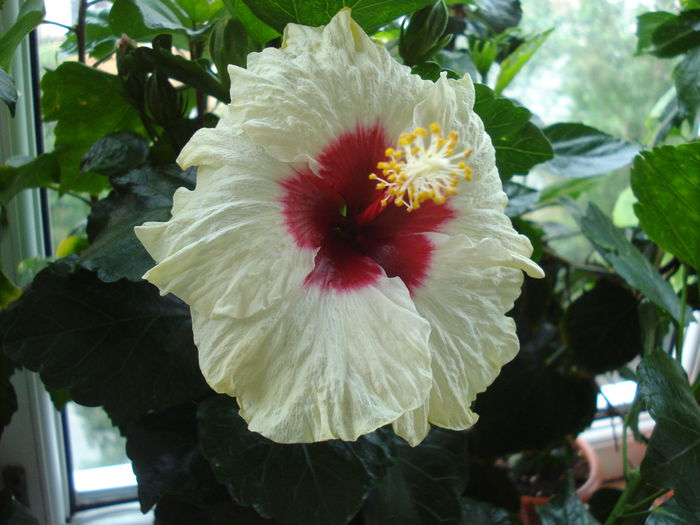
x: 337, y: 285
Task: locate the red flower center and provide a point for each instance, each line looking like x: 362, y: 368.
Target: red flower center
x: 324, y: 212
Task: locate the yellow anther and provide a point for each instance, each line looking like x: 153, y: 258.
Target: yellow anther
x: 373, y: 176
x: 423, y: 168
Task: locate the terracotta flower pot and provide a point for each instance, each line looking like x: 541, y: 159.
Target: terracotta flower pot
x: 528, y: 514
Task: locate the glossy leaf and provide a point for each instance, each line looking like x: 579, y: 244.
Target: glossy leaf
x: 686, y: 76
x: 495, y: 16
x: 369, y: 14
x: 303, y: 484
x: 517, y: 60
x: 672, y: 459
x: 31, y: 12
x: 116, y: 153
x: 519, y: 143
x: 142, y: 195
x: 424, y: 486
x: 41, y: 172
x: 628, y: 261
x: 647, y: 23
x: 256, y: 28
x: 119, y: 345
x: 666, y: 183
x: 86, y: 104
x: 8, y: 91
x: 188, y: 17
x: 602, y: 328
x: 581, y: 151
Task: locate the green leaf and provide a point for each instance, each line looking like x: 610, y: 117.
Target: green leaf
x: 647, y: 23
x: 686, y: 76
x: 8, y: 91
x: 425, y: 34
x: 302, y: 484
x: 187, y: 17
x: 31, y: 12
x: 119, y: 345
x: 100, y: 40
x: 87, y: 104
x: 142, y: 195
x: 8, y: 291
x: 582, y: 151
x: 125, y: 18
x: 230, y: 43
x: 256, y: 28
x: 515, y: 61
x: 672, y: 459
x: 666, y: 183
x: 565, y: 508
x: 602, y: 328
x: 482, y: 513
x: 676, y: 35
x: 424, y: 486
x: 12, y: 512
x: 369, y: 14
x: 519, y: 143
x: 565, y: 401
x: 671, y: 514
x: 165, y: 453
x: 628, y: 261
x: 496, y: 15
x: 116, y: 153
x: 41, y: 172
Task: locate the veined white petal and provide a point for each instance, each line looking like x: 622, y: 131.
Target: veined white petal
x: 470, y: 288
x: 322, y: 83
x: 226, y: 250
x: 413, y: 426
x: 322, y: 364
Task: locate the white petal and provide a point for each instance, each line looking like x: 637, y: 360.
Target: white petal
x: 322, y: 364
x: 226, y: 250
x: 470, y: 288
x: 413, y: 426
x: 322, y: 83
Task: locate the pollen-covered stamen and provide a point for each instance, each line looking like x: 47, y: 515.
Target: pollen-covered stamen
x: 417, y: 171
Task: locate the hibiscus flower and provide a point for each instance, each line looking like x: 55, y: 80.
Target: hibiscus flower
x: 339, y: 278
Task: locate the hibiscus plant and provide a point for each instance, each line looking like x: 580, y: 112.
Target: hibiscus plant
x: 316, y: 285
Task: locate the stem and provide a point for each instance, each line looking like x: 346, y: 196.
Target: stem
x: 681, y: 325
x: 80, y: 30
x: 64, y: 26
x: 648, y: 500
x: 634, y: 484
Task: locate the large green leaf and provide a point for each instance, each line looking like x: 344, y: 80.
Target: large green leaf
x: 8, y: 91
x: 144, y: 194
x: 370, y: 14
x: 581, y: 151
x: 119, y: 345
x: 31, y: 12
x: 670, y: 513
x: 87, y: 105
x: 686, y: 76
x: 672, y: 459
x: 256, y: 28
x: 519, y: 143
x: 675, y: 35
x: 517, y: 60
x: 565, y: 401
x: 188, y: 17
x: 666, y: 183
x: 628, y: 261
x: 116, y: 153
x: 41, y: 172
x: 424, y: 486
x: 491, y: 17
x: 602, y: 328
x: 165, y: 453
x: 301, y: 484
x: 647, y: 23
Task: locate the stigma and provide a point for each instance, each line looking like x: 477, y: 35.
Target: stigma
x: 422, y: 168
